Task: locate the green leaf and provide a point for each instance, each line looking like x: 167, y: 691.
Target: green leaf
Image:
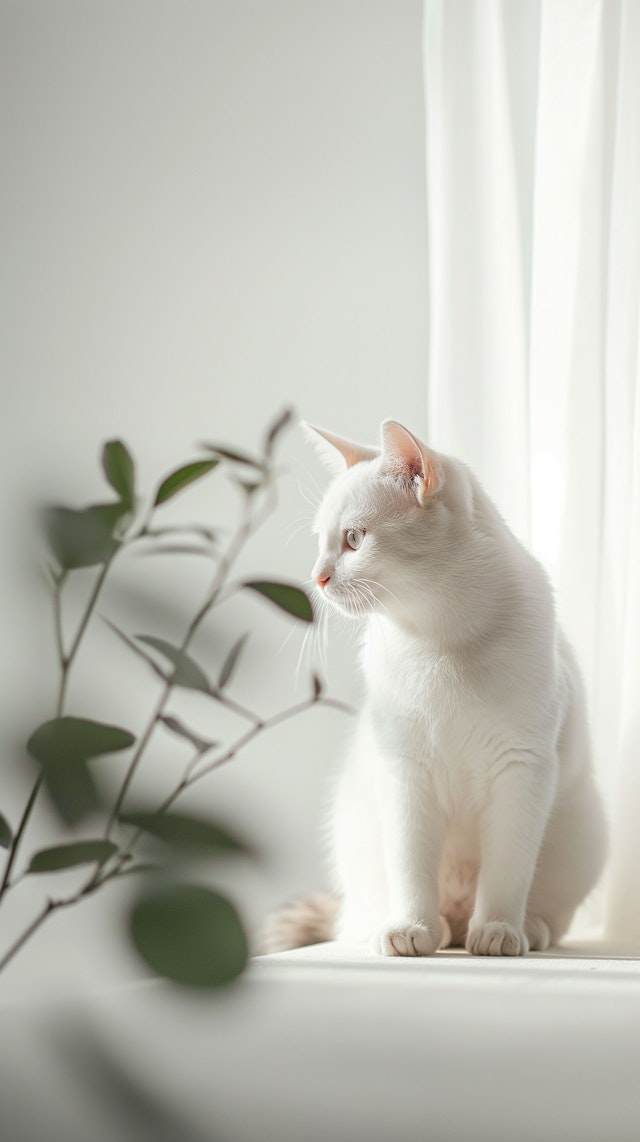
x: 66, y: 856
x: 231, y: 661
x: 189, y: 935
x: 276, y: 428
x: 182, y: 731
x: 187, y: 672
x: 71, y: 788
x: 83, y: 538
x: 76, y: 739
x: 6, y: 833
x: 181, y: 478
x: 288, y: 598
x: 119, y: 470
x: 237, y: 457
x: 63, y: 747
x: 184, y: 831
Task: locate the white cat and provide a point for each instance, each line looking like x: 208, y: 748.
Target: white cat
x: 467, y: 812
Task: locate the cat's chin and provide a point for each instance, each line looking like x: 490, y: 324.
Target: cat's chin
x: 351, y: 608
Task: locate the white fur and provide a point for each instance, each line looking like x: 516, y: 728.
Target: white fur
x: 467, y: 809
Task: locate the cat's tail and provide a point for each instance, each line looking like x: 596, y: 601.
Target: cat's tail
x: 302, y: 922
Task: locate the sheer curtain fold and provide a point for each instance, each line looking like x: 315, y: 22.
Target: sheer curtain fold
x: 476, y: 251
x: 533, y: 186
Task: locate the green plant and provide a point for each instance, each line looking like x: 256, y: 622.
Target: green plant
x: 184, y: 931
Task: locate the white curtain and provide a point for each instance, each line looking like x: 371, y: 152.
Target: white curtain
x: 533, y: 192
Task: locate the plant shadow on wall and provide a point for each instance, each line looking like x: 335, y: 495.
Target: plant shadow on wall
x: 184, y: 931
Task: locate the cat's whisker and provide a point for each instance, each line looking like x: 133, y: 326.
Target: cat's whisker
x: 374, y: 604
x: 316, y: 487
x: 287, y: 638
x: 367, y: 591
x: 381, y: 587
x: 304, y: 649
x: 296, y: 526
x: 360, y: 600
x: 308, y: 496
x: 318, y: 634
x: 362, y: 596
x: 325, y: 639
x: 322, y: 635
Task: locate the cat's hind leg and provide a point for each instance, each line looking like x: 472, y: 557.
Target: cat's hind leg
x: 571, y: 859
x: 574, y: 846
x: 446, y: 939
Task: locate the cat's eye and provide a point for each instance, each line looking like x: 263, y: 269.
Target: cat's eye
x: 354, y: 537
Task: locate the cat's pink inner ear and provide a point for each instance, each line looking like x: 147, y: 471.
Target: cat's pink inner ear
x: 405, y: 457
x: 351, y: 452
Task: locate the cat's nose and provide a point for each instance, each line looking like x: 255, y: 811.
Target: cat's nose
x: 322, y: 580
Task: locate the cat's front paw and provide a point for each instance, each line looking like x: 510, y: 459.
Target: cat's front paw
x: 407, y: 940
x: 496, y: 938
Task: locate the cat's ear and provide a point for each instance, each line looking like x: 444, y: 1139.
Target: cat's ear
x: 406, y: 458
x: 332, y: 447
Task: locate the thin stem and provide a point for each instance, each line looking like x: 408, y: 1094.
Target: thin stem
x: 13, y: 852
x: 143, y: 528
x: 186, y: 775
x: 57, y: 610
x: 66, y: 660
x: 237, y: 708
x: 137, y: 754
x: 250, y: 524
x: 227, y: 592
x: 28, y: 933
x: 226, y: 562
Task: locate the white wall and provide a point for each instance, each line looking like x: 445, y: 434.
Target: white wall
x: 210, y: 210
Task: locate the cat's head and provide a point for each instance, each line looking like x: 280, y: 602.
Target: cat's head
x: 384, y: 522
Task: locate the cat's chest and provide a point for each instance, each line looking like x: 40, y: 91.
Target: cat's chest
x: 417, y: 694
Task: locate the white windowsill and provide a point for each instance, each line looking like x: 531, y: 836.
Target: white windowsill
x: 331, y: 1042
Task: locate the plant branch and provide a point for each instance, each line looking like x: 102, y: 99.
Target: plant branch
x: 47, y: 910
x: 13, y: 851
x: 252, y: 519
x: 66, y: 659
x: 244, y: 739
x: 57, y: 608
x: 237, y: 707
x: 189, y: 778
x: 250, y: 524
x: 98, y: 878
x: 143, y: 741
x: 28, y: 932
